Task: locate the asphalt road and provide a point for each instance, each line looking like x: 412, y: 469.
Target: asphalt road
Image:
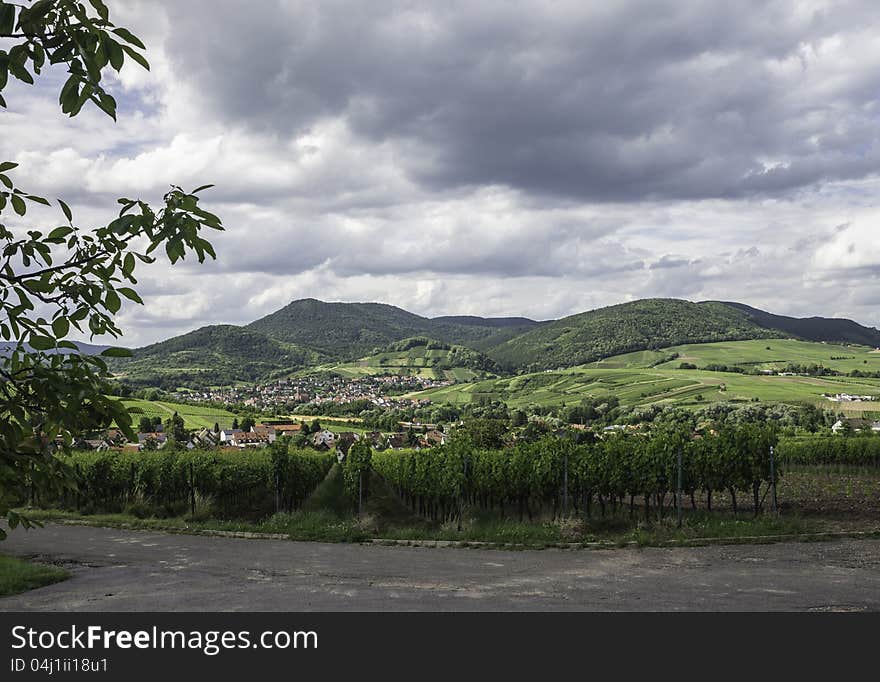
x: 116, y: 570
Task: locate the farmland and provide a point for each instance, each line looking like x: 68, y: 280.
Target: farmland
x: 194, y: 416
x: 654, y: 376
x: 417, y: 357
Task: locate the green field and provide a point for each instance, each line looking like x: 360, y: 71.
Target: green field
x: 194, y: 416
x: 769, y: 354
x: 650, y: 377
x: 453, y: 363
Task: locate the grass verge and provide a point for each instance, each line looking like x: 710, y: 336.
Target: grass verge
x: 17, y: 575
x: 323, y: 526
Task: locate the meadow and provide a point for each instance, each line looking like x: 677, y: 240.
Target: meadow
x: 654, y: 376
x: 418, y: 361
x: 194, y: 416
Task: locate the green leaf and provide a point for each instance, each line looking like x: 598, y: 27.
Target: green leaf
x: 21, y: 73
x: 199, y: 189
x: 67, y: 212
x: 116, y: 353
x: 128, y: 265
x: 114, y: 51
x: 38, y: 200
x: 112, y: 302
x: 7, y: 18
x: 59, y: 233
x: 18, y: 204
x: 130, y: 294
x: 128, y: 36
x: 7, y: 165
x: 139, y: 58
x: 101, y: 9
x: 60, y: 327
x: 41, y: 342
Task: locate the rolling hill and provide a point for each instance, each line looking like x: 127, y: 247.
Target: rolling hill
x: 347, y: 331
x: 641, y: 325
x: 213, y: 355
x: 828, y: 329
x: 355, y: 336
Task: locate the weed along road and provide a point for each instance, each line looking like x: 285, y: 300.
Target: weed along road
x: 127, y: 570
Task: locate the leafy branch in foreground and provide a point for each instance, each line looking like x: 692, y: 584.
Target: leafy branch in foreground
x: 66, y: 278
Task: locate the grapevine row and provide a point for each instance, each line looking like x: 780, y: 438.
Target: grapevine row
x: 554, y: 474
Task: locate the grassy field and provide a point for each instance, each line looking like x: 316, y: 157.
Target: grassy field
x: 650, y: 376
x: 194, y: 416
x: 770, y: 354
x: 19, y: 576
x: 419, y: 360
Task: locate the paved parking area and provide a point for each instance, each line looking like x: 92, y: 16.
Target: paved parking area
x: 125, y: 570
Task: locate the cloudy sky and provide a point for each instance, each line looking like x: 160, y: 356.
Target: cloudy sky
x: 489, y: 158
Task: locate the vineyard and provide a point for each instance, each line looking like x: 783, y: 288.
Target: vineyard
x: 824, y: 450
x: 634, y: 475
x: 223, y: 484
x: 555, y: 476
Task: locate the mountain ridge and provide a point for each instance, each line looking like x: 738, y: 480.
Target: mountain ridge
x: 308, y: 332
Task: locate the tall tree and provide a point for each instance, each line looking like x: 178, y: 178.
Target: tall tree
x: 60, y: 278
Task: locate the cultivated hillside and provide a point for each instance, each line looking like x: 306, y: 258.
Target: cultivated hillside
x: 641, y: 325
x: 420, y: 356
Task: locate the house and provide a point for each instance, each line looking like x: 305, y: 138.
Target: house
x: 397, y: 441
x: 435, y: 437
x: 377, y: 440
x: 286, y: 429
x: 324, y: 439
x: 842, y: 425
x: 226, y: 435
x: 249, y: 439
x: 157, y: 436
x: 204, y: 439
x: 266, y: 432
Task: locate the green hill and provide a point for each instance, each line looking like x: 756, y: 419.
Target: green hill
x: 209, y: 356
x: 357, y: 337
x: 831, y: 330
x: 420, y: 356
x: 347, y: 331
x: 641, y: 325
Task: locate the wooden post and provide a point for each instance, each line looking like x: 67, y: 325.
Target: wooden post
x: 773, y: 482
x: 192, y: 490
x: 565, y: 486
x: 678, y: 489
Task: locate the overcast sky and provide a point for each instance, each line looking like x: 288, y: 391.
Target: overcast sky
x: 487, y: 158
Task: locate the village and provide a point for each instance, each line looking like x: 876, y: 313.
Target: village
x: 262, y: 434
x: 381, y: 391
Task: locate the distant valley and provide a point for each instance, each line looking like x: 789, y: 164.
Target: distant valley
x: 488, y: 357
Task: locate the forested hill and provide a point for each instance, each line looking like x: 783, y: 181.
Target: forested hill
x: 308, y: 333
x: 219, y: 354
x: 347, y: 331
x: 829, y: 329
x: 640, y: 325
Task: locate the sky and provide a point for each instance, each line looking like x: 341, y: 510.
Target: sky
x: 485, y: 158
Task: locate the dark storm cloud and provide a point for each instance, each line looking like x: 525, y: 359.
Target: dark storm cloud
x: 635, y: 100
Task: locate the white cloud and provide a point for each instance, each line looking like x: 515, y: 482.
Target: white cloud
x: 475, y: 159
